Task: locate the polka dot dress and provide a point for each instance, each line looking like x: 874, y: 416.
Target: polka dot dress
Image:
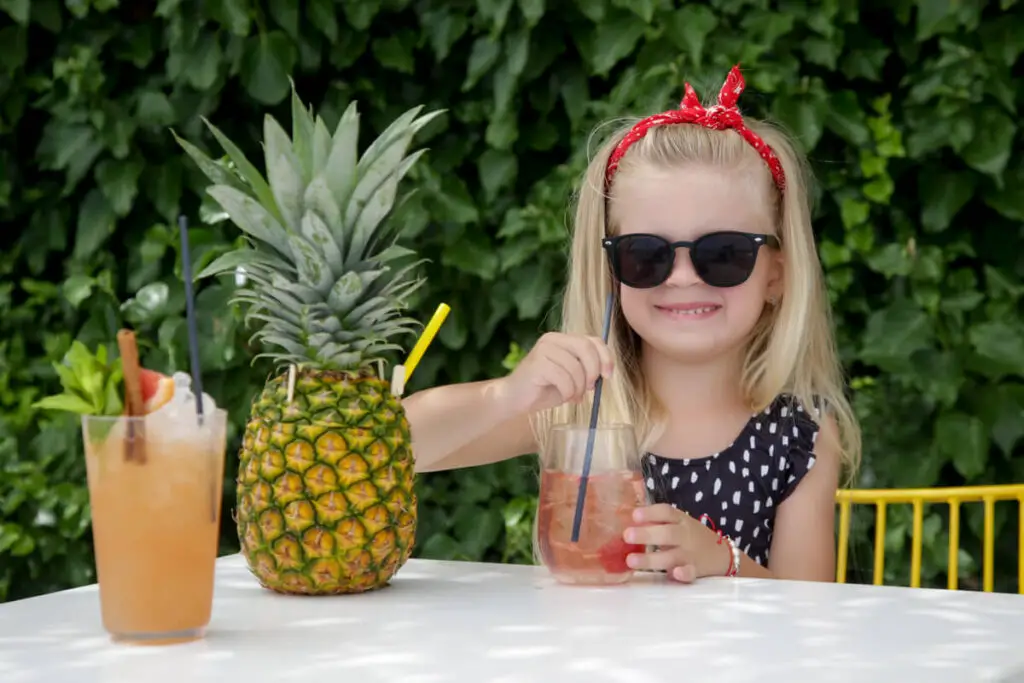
x: 741, y: 487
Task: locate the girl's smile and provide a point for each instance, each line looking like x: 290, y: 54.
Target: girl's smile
x: 686, y: 312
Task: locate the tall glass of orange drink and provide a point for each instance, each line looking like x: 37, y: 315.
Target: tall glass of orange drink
x: 155, y: 489
x: 614, y: 489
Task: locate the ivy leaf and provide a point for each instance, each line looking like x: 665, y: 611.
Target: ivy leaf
x: 933, y: 16
x: 613, y: 41
x: 865, y: 61
x: 360, y: 14
x: 321, y: 15
x: 642, y: 8
x: 154, y: 110
x: 689, y: 27
x: 497, y: 169
x: 846, y: 118
x: 454, y: 203
x: 473, y: 254
x: 1008, y: 199
x: 594, y: 10
x: 1000, y: 344
x: 286, y: 14
x: 532, y: 293
x: 482, y: 56
x: 503, y: 130
x: 234, y: 15
x: 822, y: 51
x: 804, y: 114
x: 267, y: 61
x: 77, y: 289
x: 894, y: 334
x: 443, y: 28
x: 96, y: 221
x: 891, y: 261
x: 17, y: 10
x: 395, y: 52
x: 204, y: 62
x: 575, y: 92
x: 119, y: 180
x: 943, y: 194
x: 495, y: 12
x: 964, y: 440
x: 532, y: 11
x: 1002, y: 409
x: 148, y: 305
x: 992, y: 145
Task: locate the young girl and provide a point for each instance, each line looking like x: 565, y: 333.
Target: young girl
x: 720, y: 352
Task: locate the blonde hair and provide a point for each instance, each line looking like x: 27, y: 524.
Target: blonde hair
x: 791, y: 348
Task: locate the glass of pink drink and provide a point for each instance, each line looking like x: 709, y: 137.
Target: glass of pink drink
x: 614, y: 489
x: 155, y: 491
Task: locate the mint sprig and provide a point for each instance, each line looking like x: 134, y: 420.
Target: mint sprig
x: 92, y: 383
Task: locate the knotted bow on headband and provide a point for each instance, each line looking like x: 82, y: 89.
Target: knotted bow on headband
x: 718, y: 117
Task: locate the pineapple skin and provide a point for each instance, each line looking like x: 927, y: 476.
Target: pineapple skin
x: 325, y: 487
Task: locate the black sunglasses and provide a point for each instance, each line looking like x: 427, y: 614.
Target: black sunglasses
x: 721, y: 259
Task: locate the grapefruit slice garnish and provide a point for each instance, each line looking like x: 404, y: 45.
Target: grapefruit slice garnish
x: 157, y: 389
x: 613, y: 555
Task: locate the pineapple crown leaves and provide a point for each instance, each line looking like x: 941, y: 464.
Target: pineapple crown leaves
x: 320, y: 255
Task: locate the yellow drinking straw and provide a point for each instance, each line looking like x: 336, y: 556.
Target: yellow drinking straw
x: 403, y: 372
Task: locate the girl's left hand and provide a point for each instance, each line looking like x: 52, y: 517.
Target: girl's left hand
x: 686, y: 549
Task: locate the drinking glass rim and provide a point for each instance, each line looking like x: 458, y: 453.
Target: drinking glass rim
x: 217, y: 413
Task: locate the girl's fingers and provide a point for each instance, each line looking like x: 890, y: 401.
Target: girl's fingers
x: 665, y: 535
x: 589, y: 357
x: 570, y: 364
x: 560, y: 377
x: 659, y: 513
x: 604, y: 354
x: 663, y: 560
x: 686, y: 573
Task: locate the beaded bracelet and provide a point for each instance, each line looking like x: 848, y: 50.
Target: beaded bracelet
x: 734, y: 551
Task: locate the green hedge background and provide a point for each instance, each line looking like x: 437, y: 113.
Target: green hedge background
x: 908, y: 110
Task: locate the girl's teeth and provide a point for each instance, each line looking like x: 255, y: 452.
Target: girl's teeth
x: 694, y: 311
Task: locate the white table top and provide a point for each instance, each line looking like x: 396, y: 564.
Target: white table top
x: 449, y: 622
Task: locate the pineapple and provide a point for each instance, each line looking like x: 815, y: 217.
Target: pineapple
x: 325, y: 482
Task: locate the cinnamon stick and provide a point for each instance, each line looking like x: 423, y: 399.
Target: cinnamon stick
x: 135, y: 439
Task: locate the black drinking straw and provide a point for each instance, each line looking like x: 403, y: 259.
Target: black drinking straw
x: 190, y: 313
x: 581, y: 497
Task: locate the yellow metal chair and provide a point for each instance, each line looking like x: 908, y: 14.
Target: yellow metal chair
x: 951, y: 496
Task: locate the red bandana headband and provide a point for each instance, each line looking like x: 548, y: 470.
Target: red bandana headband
x: 719, y: 117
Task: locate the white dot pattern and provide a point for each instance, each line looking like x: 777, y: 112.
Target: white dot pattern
x: 742, y: 486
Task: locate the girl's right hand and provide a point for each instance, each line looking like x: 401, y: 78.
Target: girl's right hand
x: 560, y: 368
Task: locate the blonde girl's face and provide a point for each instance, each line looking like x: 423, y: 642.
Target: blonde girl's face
x: 684, y: 317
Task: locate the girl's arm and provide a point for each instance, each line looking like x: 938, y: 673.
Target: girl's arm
x: 463, y: 425
x: 803, y: 545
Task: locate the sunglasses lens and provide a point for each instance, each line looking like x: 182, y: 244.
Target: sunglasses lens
x: 643, y: 260
x: 724, y: 259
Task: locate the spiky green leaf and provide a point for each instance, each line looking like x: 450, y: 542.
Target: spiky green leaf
x: 284, y: 172
x: 345, y: 293
x: 372, y: 200
x: 210, y: 168
x: 259, y: 186
x: 315, y: 231
x: 314, y: 271
x: 246, y: 257
x: 302, y: 135
x: 321, y: 147
x: 252, y: 217
x: 340, y: 169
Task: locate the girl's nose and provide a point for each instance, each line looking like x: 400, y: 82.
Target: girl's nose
x: 683, y: 273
